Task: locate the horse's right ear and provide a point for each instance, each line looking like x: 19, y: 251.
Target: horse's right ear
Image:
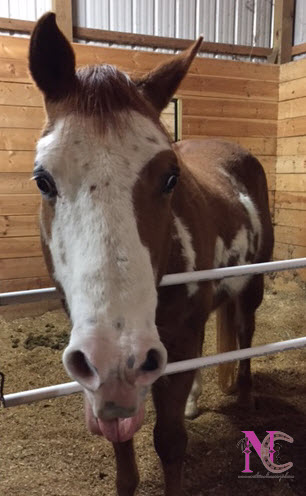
x: 51, y: 59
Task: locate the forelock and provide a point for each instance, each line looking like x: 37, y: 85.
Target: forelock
x: 107, y: 94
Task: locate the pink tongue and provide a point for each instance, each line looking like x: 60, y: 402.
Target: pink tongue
x: 121, y: 429
x: 117, y: 430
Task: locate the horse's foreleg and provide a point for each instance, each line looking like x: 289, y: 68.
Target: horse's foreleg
x: 192, y: 410
x: 170, y: 437
x: 127, y: 472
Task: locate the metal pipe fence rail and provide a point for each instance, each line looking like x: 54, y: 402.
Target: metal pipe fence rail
x: 23, y: 397
x: 49, y: 392
x: 170, y: 279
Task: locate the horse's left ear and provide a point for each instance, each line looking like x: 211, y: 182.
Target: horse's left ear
x: 159, y: 85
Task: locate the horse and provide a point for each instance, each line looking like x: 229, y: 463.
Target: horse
x: 122, y: 206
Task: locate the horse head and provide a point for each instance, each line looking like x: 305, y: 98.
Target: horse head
x: 107, y: 173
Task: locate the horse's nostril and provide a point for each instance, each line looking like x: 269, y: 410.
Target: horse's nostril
x: 152, y: 361
x: 79, y: 365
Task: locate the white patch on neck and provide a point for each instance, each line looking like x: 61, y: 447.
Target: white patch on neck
x: 254, y: 219
x: 188, y: 252
x: 106, y: 272
x: 237, y: 249
x: 241, y: 244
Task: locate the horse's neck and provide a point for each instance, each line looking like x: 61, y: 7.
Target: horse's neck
x: 188, y: 207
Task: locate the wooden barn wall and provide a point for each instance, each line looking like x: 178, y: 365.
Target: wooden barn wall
x: 230, y: 99
x: 290, y: 191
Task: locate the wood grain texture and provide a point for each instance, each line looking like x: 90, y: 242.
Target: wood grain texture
x: 63, y: 10
x: 16, y: 183
x: 291, y: 164
x: 20, y: 94
x: 292, y: 127
x: 291, y: 146
x: 18, y: 225
x: 290, y: 200
x: 23, y: 139
x: 290, y: 90
x: 292, y: 70
x: 18, y: 268
x: 210, y: 126
x: 21, y: 117
x: 19, y: 247
x: 145, y: 40
x: 16, y: 161
x: 233, y: 108
x: 291, y: 182
x: 8, y: 285
x: 292, y: 108
x: 290, y: 218
x: 290, y: 234
x: 283, y: 29
x: 285, y: 251
x: 19, y: 204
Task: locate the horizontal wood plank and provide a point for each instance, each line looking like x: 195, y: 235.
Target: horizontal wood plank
x: 290, y: 200
x: 292, y: 127
x: 226, y: 87
x: 298, y: 49
x: 291, y: 146
x: 145, y: 40
x: 291, y: 182
x: 230, y: 127
x: 285, y: 251
x: 138, y: 62
x: 291, y: 218
x: 20, y: 247
x: 21, y: 117
x: 291, y: 164
x: 14, y: 204
x: 290, y: 234
x: 18, y: 268
x: 290, y: 90
x: 16, y: 183
x: 18, y: 225
x: 23, y: 139
x: 233, y: 108
x: 292, y: 108
x: 20, y: 94
x: 292, y: 70
x: 16, y: 161
x: 25, y: 284
x: 14, y: 70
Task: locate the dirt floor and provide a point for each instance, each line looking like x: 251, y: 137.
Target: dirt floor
x: 46, y: 450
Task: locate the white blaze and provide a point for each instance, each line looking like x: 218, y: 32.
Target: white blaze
x: 97, y: 253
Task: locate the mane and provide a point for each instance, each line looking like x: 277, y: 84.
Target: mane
x: 108, y: 95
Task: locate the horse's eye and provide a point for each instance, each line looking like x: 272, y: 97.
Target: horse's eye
x: 46, y: 184
x: 170, y: 183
